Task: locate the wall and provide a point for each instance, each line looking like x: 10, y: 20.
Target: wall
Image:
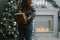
x: 2, y: 4
x: 58, y: 2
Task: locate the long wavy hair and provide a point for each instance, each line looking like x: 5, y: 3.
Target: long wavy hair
x: 25, y: 5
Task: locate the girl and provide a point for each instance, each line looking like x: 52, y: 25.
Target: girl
x: 25, y: 30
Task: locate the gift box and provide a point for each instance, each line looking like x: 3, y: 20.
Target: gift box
x: 20, y: 18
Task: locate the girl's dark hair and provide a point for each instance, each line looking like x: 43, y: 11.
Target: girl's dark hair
x: 25, y: 5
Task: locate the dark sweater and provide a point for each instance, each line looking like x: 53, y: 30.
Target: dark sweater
x: 30, y: 15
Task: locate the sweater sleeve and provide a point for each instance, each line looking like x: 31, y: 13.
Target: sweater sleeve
x: 31, y: 15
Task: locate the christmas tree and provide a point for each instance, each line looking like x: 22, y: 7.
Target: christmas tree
x: 8, y: 25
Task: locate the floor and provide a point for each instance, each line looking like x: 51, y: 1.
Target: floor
x: 47, y: 38
x: 43, y: 38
